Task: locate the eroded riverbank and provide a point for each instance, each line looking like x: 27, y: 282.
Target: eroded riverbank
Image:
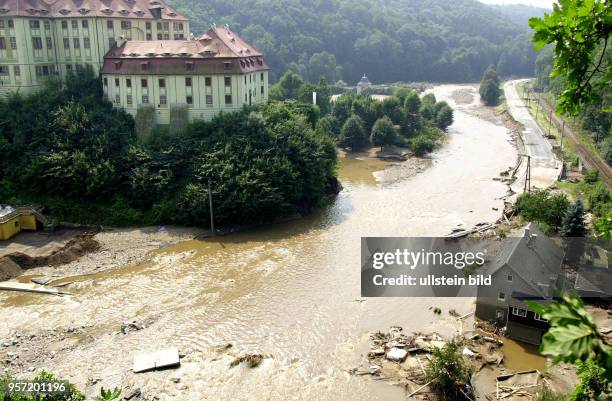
x: 290, y: 291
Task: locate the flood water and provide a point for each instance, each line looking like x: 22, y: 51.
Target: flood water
x: 291, y: 291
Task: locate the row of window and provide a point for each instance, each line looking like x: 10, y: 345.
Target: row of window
x: 76, y: 43
x: 12, y: 42
x: 523, y: 313
x: 6, y: 23
x: 144, y: 82
x: 4, y: 70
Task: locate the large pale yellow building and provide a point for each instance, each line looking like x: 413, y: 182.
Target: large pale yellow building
x: 40, y: 39
x: 215, y: 72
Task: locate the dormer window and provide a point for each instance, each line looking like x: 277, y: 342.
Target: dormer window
x: 117, y: 65
x: 144, y: 66
x: 64, y: 11
x: 84, y: 10
x: 227, y: 65
x: 124, y: 12
x: 189, y: 66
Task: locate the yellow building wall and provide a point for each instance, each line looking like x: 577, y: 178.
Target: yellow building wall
x: 27, y: 222
x: 9, y: 228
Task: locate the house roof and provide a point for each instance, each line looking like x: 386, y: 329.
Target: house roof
x: 89, y: 8
x: 533, y: 257
x: 218, y: 50
x: 594, y: 282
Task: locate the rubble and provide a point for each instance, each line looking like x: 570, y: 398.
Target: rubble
x: 252, y: 360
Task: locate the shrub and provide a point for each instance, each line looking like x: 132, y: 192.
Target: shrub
x: 447, y: 370
x: 542, y: 206
x: 353, y: 134
x: 71, y: 393
x: 591, y: 176
x: 383, y: 133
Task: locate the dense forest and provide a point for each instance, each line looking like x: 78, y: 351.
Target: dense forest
x: 389, y: 40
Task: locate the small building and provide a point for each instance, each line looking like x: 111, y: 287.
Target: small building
x: 364, y: 83
x: 13, y: 220
x: 594, y: 283
x: 213, y: 73
x: 527, y: 268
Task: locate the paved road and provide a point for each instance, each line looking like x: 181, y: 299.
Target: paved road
x: 545, y: 167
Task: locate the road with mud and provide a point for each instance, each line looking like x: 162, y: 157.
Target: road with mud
x: 289, y: 292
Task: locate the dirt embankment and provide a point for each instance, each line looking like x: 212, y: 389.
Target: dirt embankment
x: 80, y: 253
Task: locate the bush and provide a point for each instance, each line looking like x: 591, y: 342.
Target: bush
x: 353, y: 134
x: 549, y: 395
x: 383, y: 132
x: 591, y: 176
x: 71, y: 393
x: 447, y: 371
x: 542, y: 206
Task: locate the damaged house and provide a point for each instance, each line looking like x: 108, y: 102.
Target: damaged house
x: 526, y: 268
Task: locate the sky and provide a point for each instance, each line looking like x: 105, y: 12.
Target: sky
x: 535, y: 3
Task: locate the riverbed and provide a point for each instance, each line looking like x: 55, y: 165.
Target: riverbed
x: 291, y: 291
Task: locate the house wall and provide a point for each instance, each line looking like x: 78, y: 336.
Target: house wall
x: 27, y: 222
x: 9, y: 228
x: 68, y: 44
x: 488, y: 302
x: 128, y: 92
x: 528, y: 334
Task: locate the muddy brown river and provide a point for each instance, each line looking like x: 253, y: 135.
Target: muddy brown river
x: 291, y: 291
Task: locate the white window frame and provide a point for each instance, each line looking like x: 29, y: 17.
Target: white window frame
x: 516, y: 311
x: 501, y: 296
x: 539, y: 318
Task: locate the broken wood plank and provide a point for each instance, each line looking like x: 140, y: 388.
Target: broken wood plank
x: 419, y: 389
x: 156, y: 360
x: 27, y: 287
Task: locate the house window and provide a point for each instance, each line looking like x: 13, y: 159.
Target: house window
x: 86, y: 43
x: 510, y: 277
x: 17, y: 71
x: 166, y: 36
x: 76, y: 43
x: 35, y: 24
x: 188, y: 81
x: 145, y: 99
x: 539, y: 318
x: 162, y: 83
x: 69, y: 68
x: 261, y: 76
x: 117, y: 98
x: 2, y: 43
x: 126, y: 25
x: 37, y: 42
x: 159, y: 36
x: 4, y: 70
x: 1, y: 24
x: 228, y: 99
x: 11, y: 24
x: 49, y: 43
x: 47, y: 25
x: 208, y: 81
x: 189, y: 99
x: 38, y: 70
x: 149, y: 36
x: 105, y: 80
x: 262, y: 89
x: 129, y: 99
x: 109, y: 24
x: 519, y: 312
x: 143, y: 82
x: 501, y: 296
x: 66, y: 43
x: 117, y: 82
x: 85, y: 24
x: 148, y: 26
x: 228, y: 81
x: 111, y: 42
x: 13, y: 41
x: 159, y: 26
x: 75, y: 24
x: 144, y: 66
x: 128, y: 83
x: 189, y: 66
x: 227, y: 65
x: 209, y: 99
x: 64, y: 24
x: 162, y: 99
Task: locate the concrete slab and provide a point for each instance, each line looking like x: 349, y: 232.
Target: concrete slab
x: 156, y: 360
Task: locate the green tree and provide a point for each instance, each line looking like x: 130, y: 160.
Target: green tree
x: 287, y: 87
x: 579, y: 32
x: 383, y: 133
x: 444, y: 117
x: 573, y: 221
x: 447, y: 371
x: 353, y: 135
x: 489, y: 92
x: 544, y: 207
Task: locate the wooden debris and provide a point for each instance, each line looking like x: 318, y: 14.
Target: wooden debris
x: 156, y: 360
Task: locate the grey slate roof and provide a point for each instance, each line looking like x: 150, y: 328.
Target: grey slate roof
x: 533, y: 257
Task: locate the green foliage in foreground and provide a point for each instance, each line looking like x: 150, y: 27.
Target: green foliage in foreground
x: 543, y: 207
x: 574, y: 338
x: 81, y: 159
x: 72, y: 394
x: 108, y: 395
x: 548, y: 395
x: 447, y: 370
x: 577, y: 29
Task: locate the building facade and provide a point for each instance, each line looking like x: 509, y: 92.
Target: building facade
x: 215, y: 72
x: 44, y: 39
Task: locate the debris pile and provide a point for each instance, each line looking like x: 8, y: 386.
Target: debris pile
x: 403, y: 358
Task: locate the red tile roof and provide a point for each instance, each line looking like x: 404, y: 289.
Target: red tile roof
x: 88, y: 8
x: 217, y: 51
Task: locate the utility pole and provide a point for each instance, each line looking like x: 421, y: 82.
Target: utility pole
x: 549, y: 122
x: 210, y: 204
x: 537, y: 109
x: 527, y: 186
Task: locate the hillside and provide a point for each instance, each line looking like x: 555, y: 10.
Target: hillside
x: 389, y: 40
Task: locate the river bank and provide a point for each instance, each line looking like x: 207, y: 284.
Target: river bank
x: 290, y: 291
